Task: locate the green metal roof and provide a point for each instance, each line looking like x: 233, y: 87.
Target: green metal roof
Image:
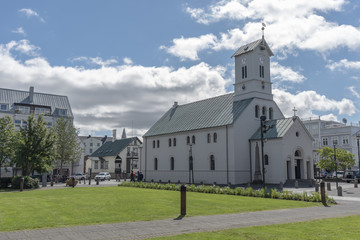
x: 278, y: 128
x: 212, y: 112
x: 250, y: 47
x: 113, y: 148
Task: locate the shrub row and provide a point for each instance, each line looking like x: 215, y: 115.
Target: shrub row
x: 249, y: 192
x: 29, y: 183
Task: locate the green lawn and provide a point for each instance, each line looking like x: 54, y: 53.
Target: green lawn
x: 83, y: 206
x: 329, y: 229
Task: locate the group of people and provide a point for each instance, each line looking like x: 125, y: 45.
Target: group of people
x: 138, y: 176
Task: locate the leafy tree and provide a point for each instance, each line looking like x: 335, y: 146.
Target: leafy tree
x: 344, y: 158
x: 35, y: 151
x: 67, y: 145
x: 7, y: 142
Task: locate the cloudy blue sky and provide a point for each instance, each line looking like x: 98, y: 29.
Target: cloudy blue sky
x: 123, y: 63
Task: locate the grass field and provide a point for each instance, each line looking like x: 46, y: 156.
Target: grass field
x: 83, y: 206
x: 329, y: 229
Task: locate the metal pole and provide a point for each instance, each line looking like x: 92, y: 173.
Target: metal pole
x: 358, y: 145
x: 183, y: 200
x: 336, y: 165
x: 262, y: 119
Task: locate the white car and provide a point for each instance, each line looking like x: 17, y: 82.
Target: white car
x: 79, y: 176
x: 103, y: 176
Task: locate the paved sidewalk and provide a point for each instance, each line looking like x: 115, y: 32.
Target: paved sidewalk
x: 147, y: 229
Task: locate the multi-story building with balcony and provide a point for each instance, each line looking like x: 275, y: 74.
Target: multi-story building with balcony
x: 332, y: 133
x: 19, y: 105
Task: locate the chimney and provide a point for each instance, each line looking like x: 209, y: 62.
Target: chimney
x: 31, y: 94
x: 114, y: 135
x: 175, y: 104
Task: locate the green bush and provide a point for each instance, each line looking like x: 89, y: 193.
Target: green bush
x: 250, y: 192
x: 29, y: 183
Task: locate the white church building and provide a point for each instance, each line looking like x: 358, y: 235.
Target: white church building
x: 220, y: 139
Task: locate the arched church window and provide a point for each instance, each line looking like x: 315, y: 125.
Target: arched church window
x: 261, y: 71
x: 174, y: 142
x: 271, y: 113
x: 297, y: 153
x: 169, y: 142
x: 158, y: 143
x: 154, y: 144
x: 208, y: 138
x: 215, y: 137
x: 264, y: 111
x: 244, y: 72
x: 155, y: 164
x: 257, y: 110
x: 266, y: 159
x: 212, y: 162
x: 187, y: 140
x: 172, y: 163
x: 193, y: 139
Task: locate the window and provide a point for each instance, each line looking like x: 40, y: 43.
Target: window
x: 22, y: 109
x: 4, y: 107
x: 169, y: 142
x: 91, y: 144
x: 257, y: 111
x: 17, y: 123
x: 212, y: 162
x: 215, y: 137
x: 261, y: 71
x: 270, y: 113
x: 266, y: 159
x: 335, y: 140
x: 96, y: 165
x: 102, y: 164
x: 24, y: 124
x: 345, y: 140
x: 90, y: 150
x: 264, y: 111
x: 158, y: 143
x: 209, y: 138
x: 106, y: 165
x: 154, y: 144
x: 172, y: 163
x: 325, y: 141
x: 174, y: 142
x: 193, y: 139
x: 155, y: 164
x: 187, y: 140
x: 62, y: 112
x: 42, y: 110
x: 244, y: 72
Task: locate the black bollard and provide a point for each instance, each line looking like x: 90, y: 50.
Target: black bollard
x: 97, y: 181
x: 322, y: 190
x: 183, y: 200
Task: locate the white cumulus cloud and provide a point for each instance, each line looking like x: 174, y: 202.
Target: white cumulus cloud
x: 31, y: 13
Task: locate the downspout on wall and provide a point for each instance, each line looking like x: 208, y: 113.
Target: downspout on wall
x: 227, y: 156
x: 251, y: 180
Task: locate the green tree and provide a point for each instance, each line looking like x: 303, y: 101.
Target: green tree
x: 344, y: 158
x: 7, y: 142
x: 67, y: 145
x: 35, y: 151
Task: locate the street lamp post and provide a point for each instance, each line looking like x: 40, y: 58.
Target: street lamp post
x: 191, y: 166
x: 262, y: 121
x: 336, y: 166
x: 358, y: 145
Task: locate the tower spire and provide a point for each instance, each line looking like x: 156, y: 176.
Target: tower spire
x: 262, y: 29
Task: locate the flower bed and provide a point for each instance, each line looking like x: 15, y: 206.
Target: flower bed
x: 249, y: 192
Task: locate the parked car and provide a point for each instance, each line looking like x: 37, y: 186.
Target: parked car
x: 79, y: 176
x: 350, y: 175
x: 338, y: 174
x: 103, y: 176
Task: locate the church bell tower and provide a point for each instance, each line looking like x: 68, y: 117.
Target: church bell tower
x: 252, y: 71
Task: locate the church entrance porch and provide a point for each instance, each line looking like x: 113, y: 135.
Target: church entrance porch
x: 298, y: 164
